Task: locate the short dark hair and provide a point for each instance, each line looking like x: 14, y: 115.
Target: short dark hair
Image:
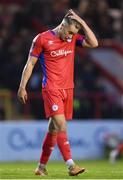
x: 70, y: 21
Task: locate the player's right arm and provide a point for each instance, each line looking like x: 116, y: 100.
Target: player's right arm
x: 27, y: 71
x: 34, y: 53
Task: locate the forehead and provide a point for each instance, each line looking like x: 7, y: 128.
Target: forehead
x: 72, y: 28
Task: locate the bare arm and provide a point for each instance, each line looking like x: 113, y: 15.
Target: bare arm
x: 91, y: 40
x: 27, y: 71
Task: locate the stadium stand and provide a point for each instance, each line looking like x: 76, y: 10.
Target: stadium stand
x: 98, y: 87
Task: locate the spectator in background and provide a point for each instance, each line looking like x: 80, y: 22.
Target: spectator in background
x: 22, y: 20
x: 57, y: 11
x: 32, y: 17
x: 101, y: 16
x: 113, y: 155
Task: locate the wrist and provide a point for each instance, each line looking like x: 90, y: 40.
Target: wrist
x: 22, y: 87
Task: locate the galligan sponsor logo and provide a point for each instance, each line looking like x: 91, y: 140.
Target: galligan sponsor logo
x: 60, y: 53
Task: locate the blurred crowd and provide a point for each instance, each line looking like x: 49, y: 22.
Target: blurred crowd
x: 21, y: 20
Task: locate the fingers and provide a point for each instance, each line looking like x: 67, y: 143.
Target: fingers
x: 26, y: 97
x: 70, y: 12
x: 22, y: 96
x: 23, y: 99
x: 72, y: 15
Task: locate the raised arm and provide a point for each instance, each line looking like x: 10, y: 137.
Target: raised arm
x: 27, y: 71
x: 90, y: 40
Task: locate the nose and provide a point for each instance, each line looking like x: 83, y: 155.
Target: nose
x: 70, y: 36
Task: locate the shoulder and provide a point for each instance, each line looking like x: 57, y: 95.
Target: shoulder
x: 45, y: 34
x: 41, y: 36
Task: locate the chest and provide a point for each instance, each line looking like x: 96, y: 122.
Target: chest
x: 57, y: 47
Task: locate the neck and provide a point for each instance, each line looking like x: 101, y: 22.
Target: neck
x: 56, y: 30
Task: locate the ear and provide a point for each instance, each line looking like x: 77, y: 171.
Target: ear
x: 62, y: 25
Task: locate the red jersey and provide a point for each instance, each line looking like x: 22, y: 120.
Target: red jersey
x: 57, y: 59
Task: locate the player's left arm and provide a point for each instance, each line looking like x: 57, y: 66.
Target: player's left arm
x: 90, y: 38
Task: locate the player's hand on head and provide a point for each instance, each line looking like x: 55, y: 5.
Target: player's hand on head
x: 22, y: 95
x: 68, y: 14
x: 71, y: 12
x: 73, y: 15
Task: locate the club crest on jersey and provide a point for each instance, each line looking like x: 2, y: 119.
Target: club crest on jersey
x: 60, y: 53
x: 54, y: 107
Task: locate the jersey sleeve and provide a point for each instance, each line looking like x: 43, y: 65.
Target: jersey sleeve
x: 79, y: 40
x: 36, y: 47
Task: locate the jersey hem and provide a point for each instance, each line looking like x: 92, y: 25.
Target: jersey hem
x: 48, y: 89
